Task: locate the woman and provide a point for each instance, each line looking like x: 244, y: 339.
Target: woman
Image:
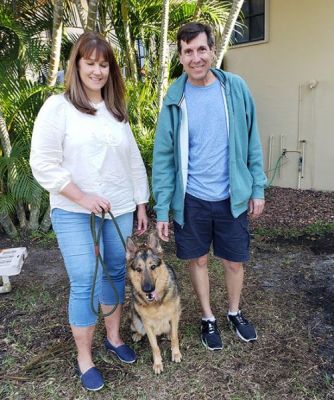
x: 83, y: 152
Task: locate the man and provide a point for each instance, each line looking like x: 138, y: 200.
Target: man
x: 208, y: 170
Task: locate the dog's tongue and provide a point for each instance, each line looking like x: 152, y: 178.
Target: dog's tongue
x: 154, y: 295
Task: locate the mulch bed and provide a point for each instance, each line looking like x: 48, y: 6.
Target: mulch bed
x: 295, y: 209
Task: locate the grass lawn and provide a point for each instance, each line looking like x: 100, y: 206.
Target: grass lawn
x: 286, y: 295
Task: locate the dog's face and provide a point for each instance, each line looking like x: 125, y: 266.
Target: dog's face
x: 145, y: 267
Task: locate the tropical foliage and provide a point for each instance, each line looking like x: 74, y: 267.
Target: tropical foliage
x: 35, y: 40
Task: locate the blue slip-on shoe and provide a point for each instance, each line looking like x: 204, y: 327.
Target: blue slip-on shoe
x: 123, y: 352
x: 92, y: 379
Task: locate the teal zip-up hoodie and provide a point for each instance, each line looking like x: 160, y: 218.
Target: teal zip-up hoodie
x: 170, y: 156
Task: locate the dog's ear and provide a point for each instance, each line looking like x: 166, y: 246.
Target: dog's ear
x: 130, y: 249
x: 154, y: 244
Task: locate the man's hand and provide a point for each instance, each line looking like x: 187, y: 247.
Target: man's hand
x: 142, y: 221
x: 255, y: 207
x: 162, y: 228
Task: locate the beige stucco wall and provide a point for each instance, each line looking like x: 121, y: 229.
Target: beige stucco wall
x: 299, y: 53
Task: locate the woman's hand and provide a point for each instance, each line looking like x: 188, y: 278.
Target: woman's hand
x: 94, y: 203
x: 142, y: 221
x: 91, y: 202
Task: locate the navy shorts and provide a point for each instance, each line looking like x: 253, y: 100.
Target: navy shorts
x: 211, y: 222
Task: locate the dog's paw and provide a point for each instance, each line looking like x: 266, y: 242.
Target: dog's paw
x: 176, y: 356
x: 158, y: 368
x: 136, y: 337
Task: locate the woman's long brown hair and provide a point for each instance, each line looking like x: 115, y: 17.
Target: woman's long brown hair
x: 113, y: 92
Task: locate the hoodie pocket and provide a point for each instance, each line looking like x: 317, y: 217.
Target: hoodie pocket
x: 242, y: 183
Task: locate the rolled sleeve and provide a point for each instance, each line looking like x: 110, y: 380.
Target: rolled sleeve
x: 47, y: 146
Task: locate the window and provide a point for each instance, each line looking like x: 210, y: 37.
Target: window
x: 253, y: 23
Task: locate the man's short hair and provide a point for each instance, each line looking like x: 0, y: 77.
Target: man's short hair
x: 191, y: 30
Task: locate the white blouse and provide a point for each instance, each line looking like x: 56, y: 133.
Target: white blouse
x: 96, y: 152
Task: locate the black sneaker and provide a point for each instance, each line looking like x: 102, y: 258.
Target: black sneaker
x: 210, y: 335
x: 242, y: 327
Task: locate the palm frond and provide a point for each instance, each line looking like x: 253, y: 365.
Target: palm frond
x: 36, y: 16
x: 20, y: 99
x: 12, y: 34
x: 7, y: 203
x: 19, y: 180
x: 71, y: 17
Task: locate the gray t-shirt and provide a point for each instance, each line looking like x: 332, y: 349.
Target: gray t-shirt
x: 208, y: 171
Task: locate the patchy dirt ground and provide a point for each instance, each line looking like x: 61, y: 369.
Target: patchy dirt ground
x: 288, y: 295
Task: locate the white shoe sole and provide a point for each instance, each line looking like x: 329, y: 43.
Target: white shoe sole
x: 210, y: 348
x: 93, y: 390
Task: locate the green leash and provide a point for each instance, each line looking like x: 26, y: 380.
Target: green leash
x: 98, y: 257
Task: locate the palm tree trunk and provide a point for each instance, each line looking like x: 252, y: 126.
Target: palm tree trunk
x: 197, y: 12
x: 5, y: 219
x: 164, y: 53
x: 152, y: 51
x: 92, y: 15
x: 46, y: 221
x: 4, y: 137
x: 228, y: 29
x: 103, y: 19
x: 57, y: 31
x: 35, y: 210
x: 131, y: 59
x: 7, y: 224
x: 21, y: 215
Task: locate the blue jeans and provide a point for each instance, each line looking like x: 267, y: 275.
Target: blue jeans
x: 76, y: 245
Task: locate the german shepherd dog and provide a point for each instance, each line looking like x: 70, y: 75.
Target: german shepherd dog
x: 156, y: 307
